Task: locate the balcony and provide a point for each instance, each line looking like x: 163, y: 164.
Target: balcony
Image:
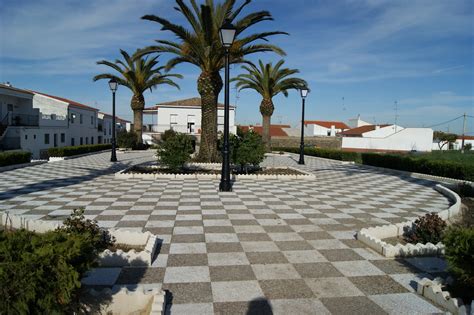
x: 22, y: 120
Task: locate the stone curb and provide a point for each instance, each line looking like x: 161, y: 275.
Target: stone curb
x: 15, y: 166
x: 305, y: 175
x: 63, y: 158
x: 107, y: 257
x: 373, y: 236
x: 432, y: 290
x: 124, y: 301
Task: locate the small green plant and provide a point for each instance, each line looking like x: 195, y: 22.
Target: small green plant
x: 248, y: 150
x: 127, y: 139
x: 468, y: 146
x: 426, y: 229
x: 175, y: 151
x: 168, y: 134
x: 459, y: 253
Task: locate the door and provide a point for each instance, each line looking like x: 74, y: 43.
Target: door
x: 55, y: 140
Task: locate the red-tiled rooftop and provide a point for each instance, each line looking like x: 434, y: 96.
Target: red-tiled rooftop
x: 275, y: 130
x: 327, y: 124
x: 8, y: 87
x: 191, y: 102
x: 71, y: 102
x: 361, y: 130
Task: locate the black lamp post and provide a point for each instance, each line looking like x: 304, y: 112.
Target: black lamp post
x: 227, y: 33
x: 304, y: 93
x: 113, y: 87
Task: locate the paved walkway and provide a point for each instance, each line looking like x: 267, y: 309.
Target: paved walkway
x: 269, y: 246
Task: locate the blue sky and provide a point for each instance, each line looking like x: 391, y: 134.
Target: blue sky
x: 369, y: 52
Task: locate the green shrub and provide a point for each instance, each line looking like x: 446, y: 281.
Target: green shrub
x: 168, y: 134
x: 325, y: 153
x: 459, y: 253
x: 442, y: 168
x: 426, y: 229
x: 468, y: 147
x: 247, y: 150
x: 127, y: 139
x: 175, y: 151
x: 76, y: 150
x: 14, y: 157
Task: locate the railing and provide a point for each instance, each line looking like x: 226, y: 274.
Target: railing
x: 24, y: 120
x: 5, y: 120
x: 53, y: 117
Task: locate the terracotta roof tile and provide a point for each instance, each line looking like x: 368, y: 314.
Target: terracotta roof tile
x: 62, y: 99
x: 360, y: 130
x: 327, y: 124
x: 275, y: 130
x: 192, y: 102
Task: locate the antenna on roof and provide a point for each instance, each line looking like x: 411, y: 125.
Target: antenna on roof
x: 343, y: 104
x: 396, y: 115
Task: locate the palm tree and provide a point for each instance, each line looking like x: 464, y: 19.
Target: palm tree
x: 201, y: 46
x: 268, y: 81
x: 138, y: 74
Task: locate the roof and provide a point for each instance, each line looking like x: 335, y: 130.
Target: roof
x: 191, y: 102
x: 466, y: 137
x: 327, y: 124
x: 361, y: 130
x: 116, y: 117
x: 70, y: 102
x: 275, y: 130
x: 8, y: 87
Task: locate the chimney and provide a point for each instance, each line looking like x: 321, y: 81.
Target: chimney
x: 377, y: 127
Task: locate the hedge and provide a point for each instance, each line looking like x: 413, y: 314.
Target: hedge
x: 14, y: 157
x: 325, y: 153
x: 76, y: 150
x: 441, y: 168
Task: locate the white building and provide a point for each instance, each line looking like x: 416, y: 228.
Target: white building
x: 183, y: 116
x: 357, y: 122
x: 323, y: 128
x: 387, y: 138
x: 457, y: 145
x: 104, y: 127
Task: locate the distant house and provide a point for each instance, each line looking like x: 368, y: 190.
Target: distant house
x: 323, y: 128
x: 184, y: 116
x: 104, y: 127
x: 387, y: 138
x: 457, y: 145
x: 275, y: 130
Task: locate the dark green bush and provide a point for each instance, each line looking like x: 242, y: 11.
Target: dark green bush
x: 420, y: 165
x: 168, y: 134
x: 426, y: 229
x: 468, y: 147
x: 76, y: 150
x: 175, y: 151
x: 459, y: 253
x: 325, y: 153
x: 14, y: 157
x: 127, y: 139
x: 247, y: 149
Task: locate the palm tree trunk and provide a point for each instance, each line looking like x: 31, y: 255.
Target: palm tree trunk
x: 209, y: 87
x: 266, y: 109
x: 138, y: 104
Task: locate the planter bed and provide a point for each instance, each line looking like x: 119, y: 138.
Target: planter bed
x: 212, y: 171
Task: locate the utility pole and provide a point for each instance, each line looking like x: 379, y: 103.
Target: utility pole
x: 396, y: 115
x: 463, y: 133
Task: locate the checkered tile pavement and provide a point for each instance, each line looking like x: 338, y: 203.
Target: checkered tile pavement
x: 285, y: 246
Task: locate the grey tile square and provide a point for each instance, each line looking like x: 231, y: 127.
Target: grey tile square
x: 199, y: 292
x: 405, y: 303
x: 231, y: 273
x: 286, y: 289
x: 275, y: 271
x: 372, y: 285
x: 340, y: 254
x: 357, y: 268
x: 267, y: 258
x: 352, y: 305
x: 227, y: 259
x: 180, y: 260
x: 140, y: 275
x: 236, y: 291
x: 333, y: 287
x: 317, y: 270
x: 187, y: 274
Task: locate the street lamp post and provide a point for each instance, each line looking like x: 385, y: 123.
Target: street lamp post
x: 304, y: 92
x: 113, y: 87
x: 227, y: 33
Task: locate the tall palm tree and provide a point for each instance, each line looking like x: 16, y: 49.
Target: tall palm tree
x: 139, y: 74
x: 200, y: 45
x: 268, y: 81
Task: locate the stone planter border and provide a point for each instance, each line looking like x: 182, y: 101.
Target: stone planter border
x: 124, y: 301
x: 15, y: 166
x: 433, y: 291
x: 123, y: 175
x: 106, y: 258
x: 63, y: 158
x: 373, y: 237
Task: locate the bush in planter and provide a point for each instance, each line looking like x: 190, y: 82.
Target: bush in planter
x: 426, y: 229
x: 248, y: 150
x: 325, y: 153
x: 459, y: 253
x: 77, y: 150
x: 127, y: 139
x: 14, y: 157
x: 175, y: 151
x: 168, y: 134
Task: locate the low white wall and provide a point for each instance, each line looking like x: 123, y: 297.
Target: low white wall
x: 408, y: 139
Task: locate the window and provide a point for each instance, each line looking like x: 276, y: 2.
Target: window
x: 34, y: 136
x: 92, y: 120
x: 63, y: 137
x: 46, y: 138
x: 329, y: 133
x: 173, y: 121
x: 26, y: 137
x: 81, y: 142
x: 72, y: 142
x: 92, y: 140
x: 220, y: 122
x: 110, y: 129
x: 73, y: 116
x: 80, y: 119
x: 87, y: 140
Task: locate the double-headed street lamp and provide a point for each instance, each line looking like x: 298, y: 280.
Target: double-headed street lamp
x: 304, y: 92
x: 227, y: 33
x: 113, y: 84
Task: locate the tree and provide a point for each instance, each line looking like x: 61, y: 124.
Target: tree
x: 201, y: 46
x: 139, y: 74
x: 444, y: 138
x: 268, y: 81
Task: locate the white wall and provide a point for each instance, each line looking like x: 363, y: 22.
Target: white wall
x: 382, y: 132
x: 183, y: 114
x: 408, y: 139
x: 455, y: 146
x: 53, y: 113
x: 317, y: 130
x: 357, y: 122
x: 85, y: 130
